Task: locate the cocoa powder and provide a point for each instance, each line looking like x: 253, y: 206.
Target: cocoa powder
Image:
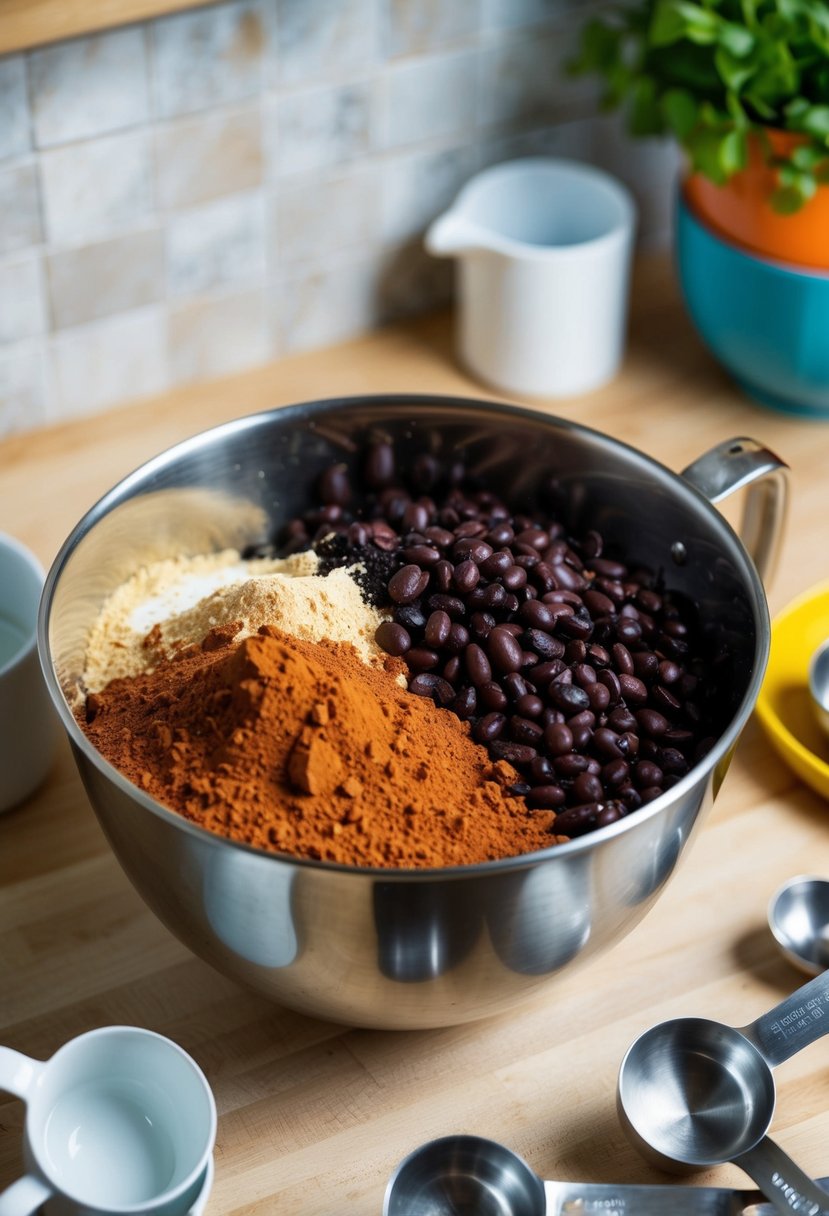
x: 298, y: 747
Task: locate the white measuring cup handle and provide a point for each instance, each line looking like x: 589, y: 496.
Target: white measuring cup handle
x: 793, y: 1024
x: 24, y: 1196
x: 18, y: 1073
x: 784, y: 1183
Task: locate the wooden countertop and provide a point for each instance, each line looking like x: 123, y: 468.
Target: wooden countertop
x: 314, y: 1117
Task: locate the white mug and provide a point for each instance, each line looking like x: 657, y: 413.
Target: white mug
x: 119, y: 1121
x: 28, y: 722
x: 544, y: 249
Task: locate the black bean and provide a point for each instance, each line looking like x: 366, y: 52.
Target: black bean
x: 598, y: 603
x: 570, y: 764
x: 599, y: 697
x: 621, y: 719
x: 437, y: 629
x: 628, y: 630
x: 568, y: 697
x: 379, y: 466
x: 458, y: 637
x: 504, y: 650
x: 449, y: 604
x: 515, y: 753
x: 541, y: 770
x: 545, y: 797
x: 407, y: 584
x: 421, y: 659
x: 611, y: 683
x: 673, y: 761
x: 633, y: 690
x: 492, y: 695
x: 421, y: 555
x: 650, y: 794
x: 335, y: 486
x: 615, y: 772
x: 584, y: 675
x: 558, y: 739
x: 488, y: 728
x: 645, y: 664
x: 442, y: 575
x: 665, y: 699
x: 646, y: 773
x: 477, y: 665
x: 525, y: 731
x: 607, y: 568
x: 622, y: 660
x: 606, y: 742
x: 415, y: 517
x: 610, y: 813
x: 466, y: 704
x: 410, y: 616
x: 652, y: 723
x: 514, y: 685
x: 587, y: 788
x: 466, y: 575
x: 529, y: 705
x: 541, y: 643
x: 515, y: 578
x: 392, y: 638
x: 480, y: 624
x: 428, y: 685
x: 577, y: 820
x: 452, y: 669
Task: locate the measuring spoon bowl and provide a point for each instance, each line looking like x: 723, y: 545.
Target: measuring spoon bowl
x: 464, y: 1176
x: 798, y: 917
x: 472, y: 1176
x: 693, y: 1092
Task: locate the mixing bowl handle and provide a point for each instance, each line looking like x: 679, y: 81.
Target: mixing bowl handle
x: 743, y: 463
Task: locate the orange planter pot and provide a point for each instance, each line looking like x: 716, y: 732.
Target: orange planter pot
x: 741, y: 211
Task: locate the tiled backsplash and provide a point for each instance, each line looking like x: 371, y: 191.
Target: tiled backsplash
x: 207, y: 191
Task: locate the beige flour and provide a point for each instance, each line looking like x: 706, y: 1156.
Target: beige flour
x: 173, y: 603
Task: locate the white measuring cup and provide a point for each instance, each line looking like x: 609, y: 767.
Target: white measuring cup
x: 120, y: 1121
x: 543, y: 248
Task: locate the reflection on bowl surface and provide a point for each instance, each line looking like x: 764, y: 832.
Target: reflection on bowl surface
x: 401, y: 948
x: 763, y: 320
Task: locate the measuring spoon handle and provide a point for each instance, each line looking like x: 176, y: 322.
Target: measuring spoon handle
x: 793, y: 1024
x: 784, y: 1184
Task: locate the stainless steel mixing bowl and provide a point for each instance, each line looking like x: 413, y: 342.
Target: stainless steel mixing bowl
x: 416, y: 948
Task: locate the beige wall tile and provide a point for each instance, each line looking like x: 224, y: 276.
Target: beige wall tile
x: 97, y: 188
x: 89, y: 86
x: 204, y: 158
x: 219, y: 244
x: 315, y: 216
x: 426, y: 25
x: 14, y: 107
x: 326, y: 38
x: 214, y: 337
x: 208, y: 56
x: 319, y: 128
x: 418, y: 186
x: 23, y: 399
x: 429, y: 98
x: 318, y: 304
x: 108, y: 277
x: 20, y: 224
x: 22, y: 305
x: 109, y: 362
x: 522, y: 78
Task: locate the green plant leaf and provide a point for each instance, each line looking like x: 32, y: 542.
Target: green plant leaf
x: 733, y: 72
x: 674, y: 20
x: 733, y: 152
x: 735, y: 39
x: 680, y: 112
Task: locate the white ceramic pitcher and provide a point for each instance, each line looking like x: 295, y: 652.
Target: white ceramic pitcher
x: 543, y: 249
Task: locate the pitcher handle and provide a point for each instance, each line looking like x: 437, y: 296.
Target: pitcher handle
x: 744, y: 463
x: 24, y: 1196
x: 18, y: 1073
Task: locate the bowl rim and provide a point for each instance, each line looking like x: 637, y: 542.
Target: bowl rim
x: 778, y: 267
x: 308, y: 411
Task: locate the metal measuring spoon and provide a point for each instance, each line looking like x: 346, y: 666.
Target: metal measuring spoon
x: 471, y: 1176
x: 799, y: 920
x: 692, y: 1092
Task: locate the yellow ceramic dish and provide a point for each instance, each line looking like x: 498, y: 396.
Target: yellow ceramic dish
x: 783, y: 706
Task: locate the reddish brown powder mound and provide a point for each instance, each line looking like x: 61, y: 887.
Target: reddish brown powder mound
x: 300, y: 748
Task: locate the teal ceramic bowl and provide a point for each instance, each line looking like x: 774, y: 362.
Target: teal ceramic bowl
x: 766, y: 322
